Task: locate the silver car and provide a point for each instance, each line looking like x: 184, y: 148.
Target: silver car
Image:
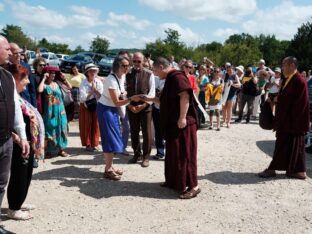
x: 51, y: 59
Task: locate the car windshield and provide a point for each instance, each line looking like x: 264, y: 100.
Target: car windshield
x: 107, y: 61
x: 80, y: 58
x: 46, y: 56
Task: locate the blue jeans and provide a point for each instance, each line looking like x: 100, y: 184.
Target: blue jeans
x: 159, y: 142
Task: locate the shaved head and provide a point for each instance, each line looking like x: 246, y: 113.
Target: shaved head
x: 5, y: 51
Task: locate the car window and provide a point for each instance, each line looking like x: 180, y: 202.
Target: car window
x: 107, y: 60
x: 59, y: 55
x: 46, y: 56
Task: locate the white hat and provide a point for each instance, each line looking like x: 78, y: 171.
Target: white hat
x: 90, y: 66
x: 278, y: 69
x: 227, y: 64
x: 262, y: 61
x: 240, y: 68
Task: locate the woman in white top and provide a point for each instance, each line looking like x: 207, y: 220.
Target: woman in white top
x: 108, y: 116
x: 90, y: 88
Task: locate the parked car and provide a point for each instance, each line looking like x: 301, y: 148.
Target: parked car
x: 62, y: 57
x: 31, y: 56
x: 96, y: 57
x: 105, y: 65
x: 79, y: 60
x: 51, y: 59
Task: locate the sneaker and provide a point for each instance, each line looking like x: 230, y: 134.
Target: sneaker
x: 159, y: 156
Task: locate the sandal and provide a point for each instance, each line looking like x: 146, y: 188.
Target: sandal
x: 189, y: 194
x: 19, y: 215
x: 63, y: 154
x: 118, y: 171
x: 111, y: 175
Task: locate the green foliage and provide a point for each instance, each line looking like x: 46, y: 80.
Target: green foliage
x: 15, y: 34
x: 99, y: 45
x: 301, y: 46
x: 78, y: 49
x: 54, y: 47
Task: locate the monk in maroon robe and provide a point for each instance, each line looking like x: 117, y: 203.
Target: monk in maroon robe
x: 291, y: 123
x: 179, y: 123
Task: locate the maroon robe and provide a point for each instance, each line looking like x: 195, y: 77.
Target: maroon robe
x: 181, y: 144
x: 291, y: 123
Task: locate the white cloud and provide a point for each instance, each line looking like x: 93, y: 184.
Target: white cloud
x: 282, y: 20
x: 187, y: 35
x: 60, y: 39
x: 1, y: 7
x: 229, y: 11
x: 46, y: 18
x: 225, y: 32
x: 115, y: 20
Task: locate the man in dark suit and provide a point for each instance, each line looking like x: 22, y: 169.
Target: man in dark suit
x: 291, y: 123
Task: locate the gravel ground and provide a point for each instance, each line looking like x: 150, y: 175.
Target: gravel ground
x: 71, y: 196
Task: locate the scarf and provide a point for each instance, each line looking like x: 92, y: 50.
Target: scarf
x: 36, y: 128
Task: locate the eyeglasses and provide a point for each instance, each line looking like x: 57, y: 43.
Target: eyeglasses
x: 124, y: 65
x: 42, y: 65
x: 216, y: 71
x: 16, y: 53
x: 137, y: 61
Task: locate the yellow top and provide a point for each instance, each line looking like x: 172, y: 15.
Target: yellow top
x: 75, y: 81
x: 288, y: 79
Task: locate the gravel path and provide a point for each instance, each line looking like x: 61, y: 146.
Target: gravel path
x: 72, y: 197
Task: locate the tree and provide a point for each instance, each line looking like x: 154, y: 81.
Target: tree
x: 15, y: 34
x: 99, y: 45
x: 78, y: 49
x: 301, y: 46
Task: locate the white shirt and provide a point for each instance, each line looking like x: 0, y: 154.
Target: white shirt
x: 110, y: 83
x: 274, y: 88
x: 86, y: 86
x: 19, y: 124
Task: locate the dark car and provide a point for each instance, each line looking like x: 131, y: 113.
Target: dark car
x: 96, y: 57
x: 105, y: 65
x: 79, y: 60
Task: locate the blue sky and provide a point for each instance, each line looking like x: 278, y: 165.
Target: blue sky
x: 133, y: 23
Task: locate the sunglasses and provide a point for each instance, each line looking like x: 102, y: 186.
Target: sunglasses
x: 216, y: 71
x: 189, y: 67
x: 42, y: 65
x: 125, y: 66
x: 137, y: 61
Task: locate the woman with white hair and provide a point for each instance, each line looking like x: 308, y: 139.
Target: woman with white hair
x: 90, y: 91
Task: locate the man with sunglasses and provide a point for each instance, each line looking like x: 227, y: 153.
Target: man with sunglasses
x: 140, y: 81
x: 30, y: 93
x: 10, y: 118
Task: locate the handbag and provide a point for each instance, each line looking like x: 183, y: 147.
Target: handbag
x: 91, y: 104
x: 66, y: 94
x: 121, y: 109
x: 266, y: 117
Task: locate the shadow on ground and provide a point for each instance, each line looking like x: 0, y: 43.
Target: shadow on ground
x: 268, y: 148
x: 236, y: 178
x: 92, y: 184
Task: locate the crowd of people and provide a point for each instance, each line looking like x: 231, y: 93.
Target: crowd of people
x: 177, y: 97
